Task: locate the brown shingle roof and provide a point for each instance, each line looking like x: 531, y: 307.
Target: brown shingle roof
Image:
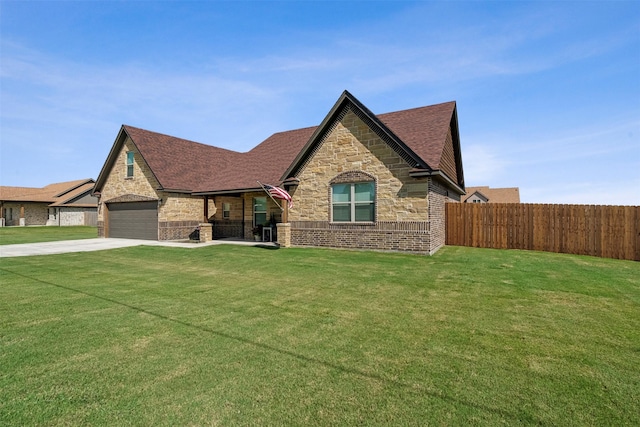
x: 179, y: 164
x: 495, y: 195
x: 10, y: 193
x: 52, y: 193
x: 424, y: 129
x: 189, y: 166
x: 265, y: 163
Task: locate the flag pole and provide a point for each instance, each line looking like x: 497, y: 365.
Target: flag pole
x: 274, y: 200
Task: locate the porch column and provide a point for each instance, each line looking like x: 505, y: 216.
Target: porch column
x: 206, y: 232
x: 22, y: 220
x: 284, y: 228
x: 284, y: 234
x: 285, y: 211
x: 206, y: 209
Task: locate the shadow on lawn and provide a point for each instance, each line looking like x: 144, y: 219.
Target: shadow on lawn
x: 354, y: 371
x: 268, y: 247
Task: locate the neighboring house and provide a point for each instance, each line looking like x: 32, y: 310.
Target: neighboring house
x: 491, y: 195
x: 63, y: 203
x: 358, y: 180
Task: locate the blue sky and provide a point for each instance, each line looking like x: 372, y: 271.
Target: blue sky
x: 548, y: 93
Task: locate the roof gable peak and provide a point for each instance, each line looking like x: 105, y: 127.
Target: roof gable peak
x: 345, y: 103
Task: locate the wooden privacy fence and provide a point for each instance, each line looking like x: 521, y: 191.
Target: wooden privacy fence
x: 602, y: 231
x: 91, y: 218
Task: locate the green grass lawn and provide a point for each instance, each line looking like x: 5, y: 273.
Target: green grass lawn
x: 228, y: 335
x: 15, y: 235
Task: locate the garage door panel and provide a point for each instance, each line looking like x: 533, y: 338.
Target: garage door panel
x: 134, y: 220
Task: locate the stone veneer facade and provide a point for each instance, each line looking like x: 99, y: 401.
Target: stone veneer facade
x: 34, y: 213
x: 38, y: 213
x: 404, y: 206
x: 74, y: 216
x: 178, y: 214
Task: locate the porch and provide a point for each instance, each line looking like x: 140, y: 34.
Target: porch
x: 251, y: 216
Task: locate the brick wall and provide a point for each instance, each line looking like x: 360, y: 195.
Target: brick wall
x: 228, y: 228
x: 176, y: 230
x: 438, y: 197
x: 389, y: 236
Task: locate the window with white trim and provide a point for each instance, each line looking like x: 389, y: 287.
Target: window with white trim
x: 353, y: 202
x: 129, y: 164
x: 226, y: 210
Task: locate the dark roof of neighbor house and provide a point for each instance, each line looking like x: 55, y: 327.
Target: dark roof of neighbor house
x: 494, y: 195
x: 57, y: 194
x: 187, y: 166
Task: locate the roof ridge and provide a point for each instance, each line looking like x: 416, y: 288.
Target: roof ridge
x: 293, y: 130
x: 406, y: 110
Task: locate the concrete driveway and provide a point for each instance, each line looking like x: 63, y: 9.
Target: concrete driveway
x: 99, y: 244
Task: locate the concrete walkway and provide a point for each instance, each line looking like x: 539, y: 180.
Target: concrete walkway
x: 100, y: 244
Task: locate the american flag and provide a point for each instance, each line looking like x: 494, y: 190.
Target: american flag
x: 278, y: 193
